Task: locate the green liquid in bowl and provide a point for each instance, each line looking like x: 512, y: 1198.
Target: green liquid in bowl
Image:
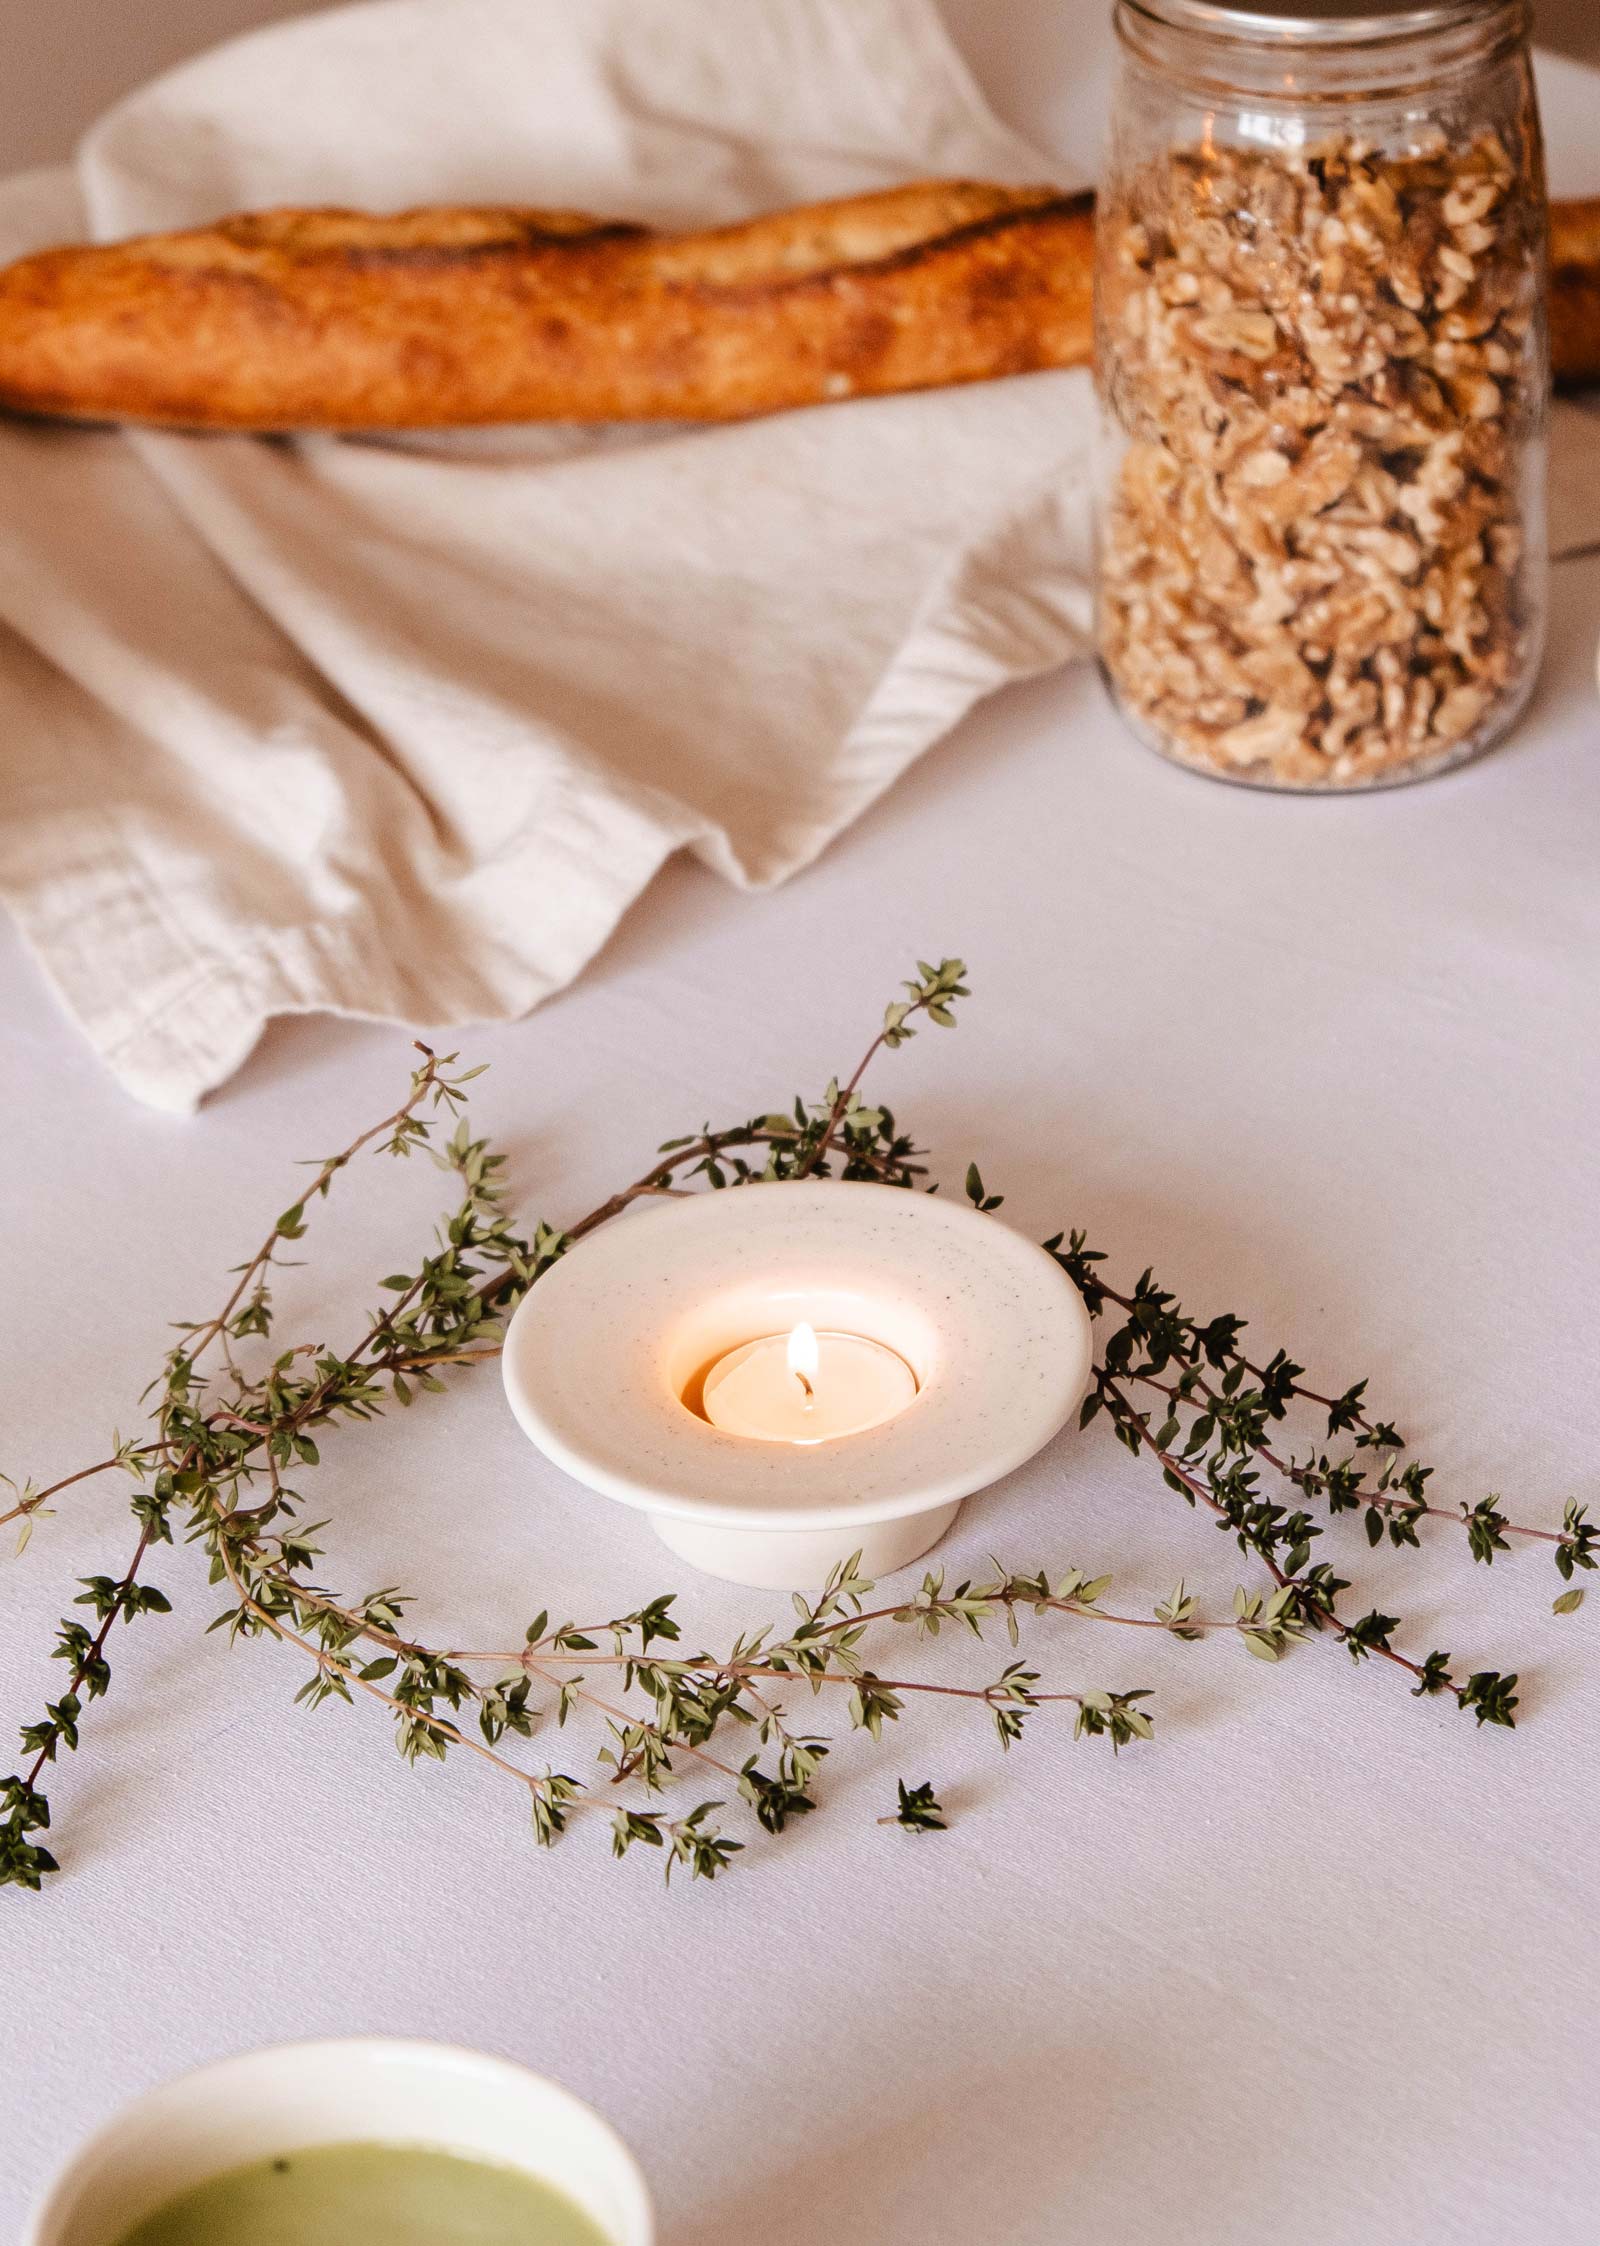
x: 369, y: 2195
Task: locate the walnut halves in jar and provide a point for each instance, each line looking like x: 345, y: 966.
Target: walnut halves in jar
x: 1323, y: 369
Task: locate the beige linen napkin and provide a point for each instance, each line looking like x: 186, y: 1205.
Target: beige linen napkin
x: 400, y: 729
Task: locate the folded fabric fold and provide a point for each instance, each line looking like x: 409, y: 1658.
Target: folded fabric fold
x: 401, y: 728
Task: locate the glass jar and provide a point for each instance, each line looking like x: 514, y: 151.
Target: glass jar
x: 1324, y: 380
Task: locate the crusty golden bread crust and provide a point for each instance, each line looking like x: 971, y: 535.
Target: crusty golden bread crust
x: 331, y: 319
x: 338, y: 320
x: 1575, y: 290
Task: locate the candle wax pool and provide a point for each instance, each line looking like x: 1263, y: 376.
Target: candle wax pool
x: 369, y: 2195
x: 853, y: 1384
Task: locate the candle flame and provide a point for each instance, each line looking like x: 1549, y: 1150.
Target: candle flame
x: 803, y: 1355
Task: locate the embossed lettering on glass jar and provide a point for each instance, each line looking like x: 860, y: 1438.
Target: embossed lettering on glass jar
x: 1324, y: 378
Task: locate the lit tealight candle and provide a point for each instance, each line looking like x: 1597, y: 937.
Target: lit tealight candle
x: 806, y: 1387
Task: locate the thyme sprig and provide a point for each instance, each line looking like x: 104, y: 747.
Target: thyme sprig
x: 1375, y: 1477
x: 229, y: 1441
x: 1219, y: 1410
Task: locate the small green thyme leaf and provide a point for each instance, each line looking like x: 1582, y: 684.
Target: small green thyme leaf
x: 919, y: 1811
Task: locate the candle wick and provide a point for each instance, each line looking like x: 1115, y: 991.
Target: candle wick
x: 811, y: 1394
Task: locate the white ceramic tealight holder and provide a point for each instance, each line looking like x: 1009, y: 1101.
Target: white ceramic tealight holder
x: 263, y: 2105
x: 859, y: 1300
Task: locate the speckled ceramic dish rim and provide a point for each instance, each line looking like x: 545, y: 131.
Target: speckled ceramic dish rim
x: 599, y: 1354
x: 289, y: 2097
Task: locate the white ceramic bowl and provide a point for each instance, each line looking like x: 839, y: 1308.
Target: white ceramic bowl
x: 601, y: 1353
x: 366, y: 2089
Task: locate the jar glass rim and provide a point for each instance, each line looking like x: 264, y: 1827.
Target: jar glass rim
x: 1322, y: 22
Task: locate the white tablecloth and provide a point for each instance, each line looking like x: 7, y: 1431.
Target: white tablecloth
x: 1320, y: 1964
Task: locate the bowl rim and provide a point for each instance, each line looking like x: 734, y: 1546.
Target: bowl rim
x: 458, y: 2059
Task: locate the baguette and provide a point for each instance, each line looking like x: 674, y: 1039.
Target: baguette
x: 336, y: 320
x: 1575, y: 290
x: 331, y: 319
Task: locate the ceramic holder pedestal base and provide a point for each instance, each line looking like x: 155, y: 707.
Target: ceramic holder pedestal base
x: 605, y: 1359
x: 801, y: 1559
